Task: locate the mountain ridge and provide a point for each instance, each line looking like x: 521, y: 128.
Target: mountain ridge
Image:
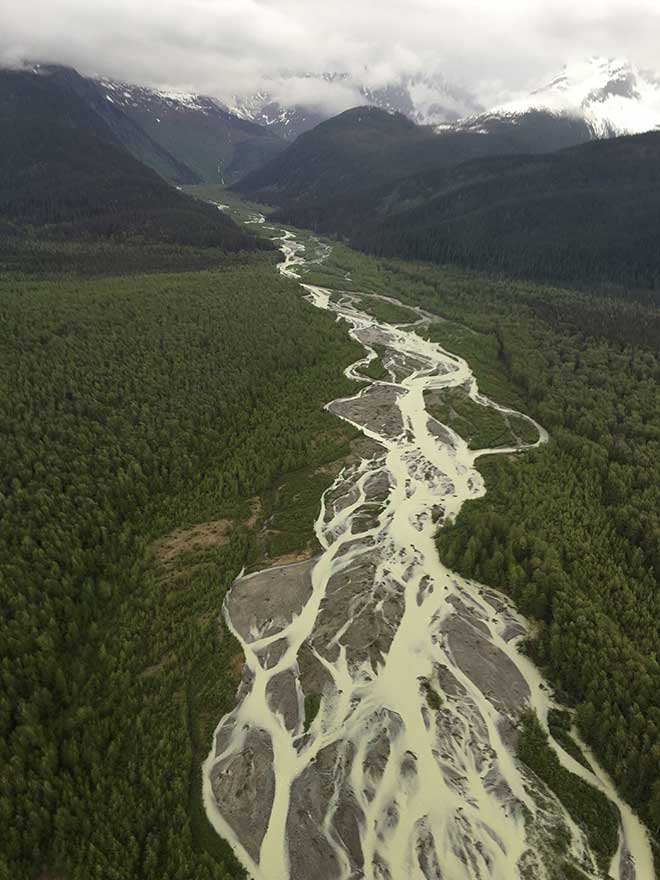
x: 610, y: 95
x: 588, y: 214
x: 424, y: 99
x: 217, y: 145
x: 365, y: 147
x: 65, y: 177
x: 185, y: 138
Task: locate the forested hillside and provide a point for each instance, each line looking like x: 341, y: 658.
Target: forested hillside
x: 186, y: 138
x: 63, y: 177
x: 130, y: 408
x: 587, y: 215
x: 126, y: 131
x: 359, y: 148
x: 348, y: 155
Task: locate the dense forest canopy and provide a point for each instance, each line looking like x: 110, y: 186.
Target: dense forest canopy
x: 129, y: 407
x: 136, y: 404
x: 586, y: 215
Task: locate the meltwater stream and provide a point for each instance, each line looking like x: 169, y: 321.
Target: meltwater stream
x: 411, y: 673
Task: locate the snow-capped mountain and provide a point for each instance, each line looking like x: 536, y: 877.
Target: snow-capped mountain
x: 597, y: 97
x: 127, y: 95
x: 426, y: 100
x: 285, y: 122
x: 217, y: 145
x: 611, y: 95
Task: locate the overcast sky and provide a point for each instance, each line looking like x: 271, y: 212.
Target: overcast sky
x: 225, y: 46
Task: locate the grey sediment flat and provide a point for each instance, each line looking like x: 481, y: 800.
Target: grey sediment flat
x: 265, y: 602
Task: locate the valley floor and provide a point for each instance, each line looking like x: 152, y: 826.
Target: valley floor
x: 385, y: 702
x: 159, y: 437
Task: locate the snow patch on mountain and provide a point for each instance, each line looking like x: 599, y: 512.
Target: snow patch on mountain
x: 128, y: 95
x: 610, y: 94
x: 287, y: 122
x: 295, y: 104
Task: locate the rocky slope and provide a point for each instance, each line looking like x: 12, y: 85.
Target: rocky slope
x: 217, y: 145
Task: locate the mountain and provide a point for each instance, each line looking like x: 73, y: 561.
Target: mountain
x: 507, y: 195
x: 610, y: 95
x: 125, y: 130
x: 216, y: 145
x: 364, y: 147
x: 186, y: 138
x: 65, y: 175
x: 359, y: 148
x: 426, y: 100
x: 587, y: 215
x: 600, y: 97
x: 285, y: 122
x: 440, y: 193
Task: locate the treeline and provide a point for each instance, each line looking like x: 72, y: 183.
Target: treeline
x: 130, y: 407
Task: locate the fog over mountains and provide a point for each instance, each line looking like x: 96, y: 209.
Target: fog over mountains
x: 296, y: 104
x: 611, y: 95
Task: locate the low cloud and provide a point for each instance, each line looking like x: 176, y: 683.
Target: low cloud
x: 314, y: 93
x: 224, y: 47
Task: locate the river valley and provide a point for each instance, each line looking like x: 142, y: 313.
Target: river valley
x: 375, y: 729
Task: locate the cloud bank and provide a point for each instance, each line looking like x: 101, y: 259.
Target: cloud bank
x: 223, y: 47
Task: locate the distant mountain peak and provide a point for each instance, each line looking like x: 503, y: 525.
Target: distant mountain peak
x: 612, y: 96
x: 130, y: 95
x: 424, y: 99
x: 370, y: 112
